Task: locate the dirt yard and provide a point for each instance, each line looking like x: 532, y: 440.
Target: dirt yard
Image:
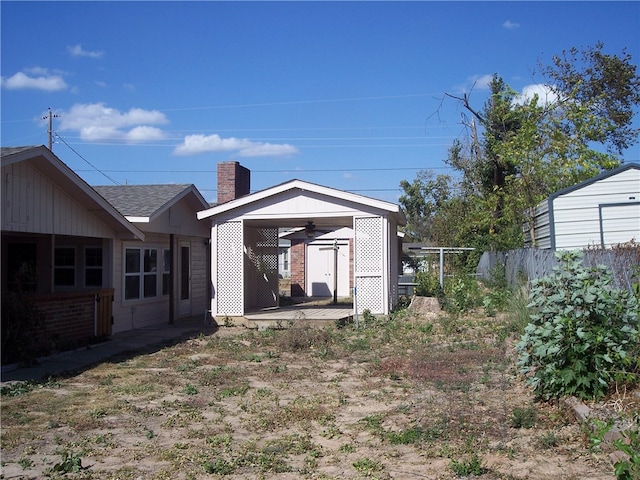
x: 421, y: 396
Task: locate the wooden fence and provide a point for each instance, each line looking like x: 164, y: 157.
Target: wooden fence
x: 522, y: 266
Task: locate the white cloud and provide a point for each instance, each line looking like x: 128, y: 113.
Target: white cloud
x: 195, y: 144
x: 144, y: 133
x: 546, y: 94
x: 268, y: 150
x: 509, y: 25
x: 78, y: 51
x: 46, y: 82
x: 480, y: 82
x: 97, y: 122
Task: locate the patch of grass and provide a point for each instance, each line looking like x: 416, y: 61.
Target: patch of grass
x: 218, y: 375
x: 524, y: 417
x: 136, y: 388
x: 190, y: 389
x: 303, y: 338
x: 346, y: 448
x: 25, y: 463
x: 219, y: 466
x: 234, y: 391
x: 468, y: 466
x: 188, y: 366
x: 548, y: 440
x: 223, y: 440
x: 367, y: 467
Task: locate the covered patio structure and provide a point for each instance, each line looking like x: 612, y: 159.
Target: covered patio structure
x: 244, y: 247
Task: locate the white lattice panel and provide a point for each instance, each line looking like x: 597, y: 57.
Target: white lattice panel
x: 266, y: 263
x: 229, y: 269
x: 369, y: 293
x: 369, y: 262
x: 369, y: 245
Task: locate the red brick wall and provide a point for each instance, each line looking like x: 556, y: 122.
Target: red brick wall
x: 234, y: 181
x: 298, y: 261
x: 69, y: 317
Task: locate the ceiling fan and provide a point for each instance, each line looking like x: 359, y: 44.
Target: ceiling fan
x: 310, y: 229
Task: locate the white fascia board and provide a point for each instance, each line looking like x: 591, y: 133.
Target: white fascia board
x: 137, y: 219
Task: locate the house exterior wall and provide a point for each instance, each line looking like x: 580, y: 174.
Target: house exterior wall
x: 179, y: 219
x: 33, y: 203
x: 143, y: 312
x: 200, y: 279
x: 70, y: 318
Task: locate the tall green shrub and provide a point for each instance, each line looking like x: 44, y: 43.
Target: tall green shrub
x: 583, y: 335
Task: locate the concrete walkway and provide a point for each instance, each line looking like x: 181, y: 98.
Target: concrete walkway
x: 130, y: 343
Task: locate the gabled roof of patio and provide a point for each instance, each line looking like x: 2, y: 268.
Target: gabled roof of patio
x: 302, y: 188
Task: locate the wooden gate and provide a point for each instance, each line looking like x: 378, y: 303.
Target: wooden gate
x: 104, y: 312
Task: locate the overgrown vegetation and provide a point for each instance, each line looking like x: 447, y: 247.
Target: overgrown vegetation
x: 583, y: 336
x: 24, y: 336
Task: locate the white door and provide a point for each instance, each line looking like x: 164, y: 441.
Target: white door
x: 184, y: 279
x: 619, y: 223
x: 320, y: 269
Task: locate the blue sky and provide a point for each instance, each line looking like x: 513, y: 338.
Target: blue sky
x: 346, y: 95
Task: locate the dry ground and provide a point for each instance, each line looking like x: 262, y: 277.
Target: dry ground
x: 422, y: 395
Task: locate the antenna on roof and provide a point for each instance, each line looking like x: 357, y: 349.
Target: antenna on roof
x: 50, y: 116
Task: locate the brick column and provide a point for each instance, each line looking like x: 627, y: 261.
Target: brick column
x: 298, y: 262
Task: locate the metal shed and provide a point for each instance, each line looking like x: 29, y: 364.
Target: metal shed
x: 602, y: 211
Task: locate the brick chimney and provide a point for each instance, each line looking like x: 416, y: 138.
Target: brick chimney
x: 234, y: 181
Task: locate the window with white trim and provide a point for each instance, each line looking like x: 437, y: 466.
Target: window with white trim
x: 64, y: 267
x: 166, y: 271
x: 142, y: 275
x: 93, y: 267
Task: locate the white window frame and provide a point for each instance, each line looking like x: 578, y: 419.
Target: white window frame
x: 156, y: 270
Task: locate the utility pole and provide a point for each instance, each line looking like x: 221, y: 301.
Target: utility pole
x: 50, y: 116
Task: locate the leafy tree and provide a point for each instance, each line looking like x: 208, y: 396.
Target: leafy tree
x: 521, y: 149
x: 422, y: 200
x: 599, y: 93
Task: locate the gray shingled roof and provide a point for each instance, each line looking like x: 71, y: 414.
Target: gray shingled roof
x: 140, y: 200
x: 5, y: 151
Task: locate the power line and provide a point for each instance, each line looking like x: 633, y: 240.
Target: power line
x: 319, y: 170
x: 300, y: 102
x: 115, y: 182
